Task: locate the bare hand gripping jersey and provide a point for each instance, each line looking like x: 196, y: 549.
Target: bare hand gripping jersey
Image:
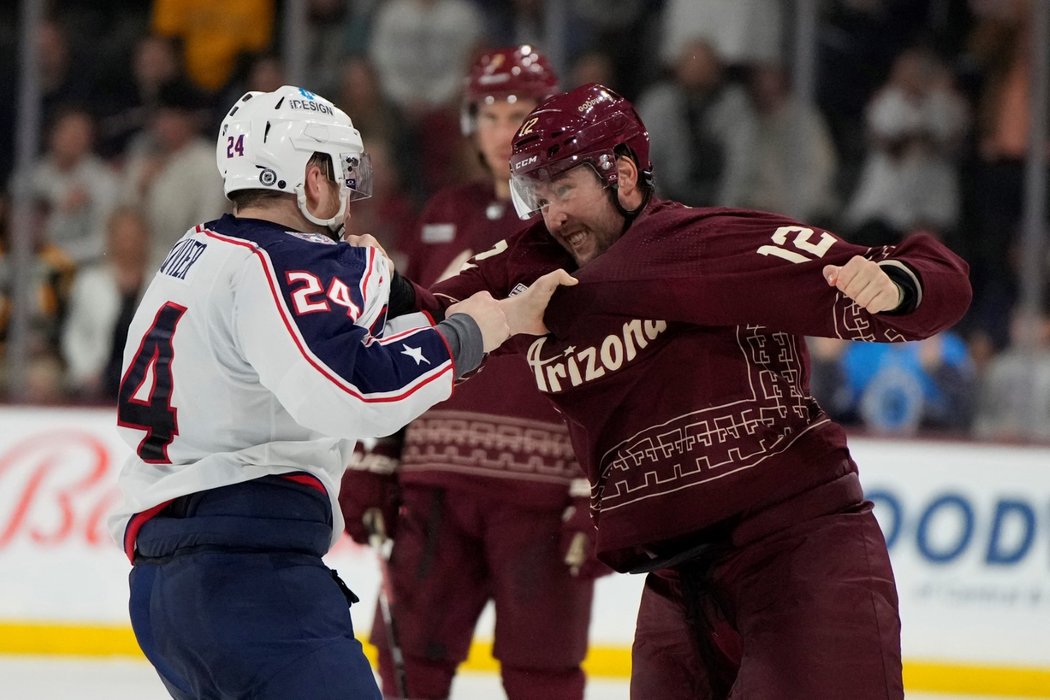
x: 497, y: 435
x: 259, y: 351
x: 680, y: 363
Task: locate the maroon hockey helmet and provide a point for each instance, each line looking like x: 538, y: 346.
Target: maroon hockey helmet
x: 508, y: 74
x: 582, y: 126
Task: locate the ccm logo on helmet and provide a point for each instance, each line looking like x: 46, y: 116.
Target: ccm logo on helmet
x: 310, y: 106
x: 524, y: 162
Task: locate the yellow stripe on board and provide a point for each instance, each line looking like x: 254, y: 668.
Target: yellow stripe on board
x: 67, y: 640
x: 939, y: 677
x: 34, y: 638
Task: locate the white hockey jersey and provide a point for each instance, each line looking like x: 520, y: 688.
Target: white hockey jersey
x: 259, y: 351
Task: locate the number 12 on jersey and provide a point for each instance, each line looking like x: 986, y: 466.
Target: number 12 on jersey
x: 801, y: 241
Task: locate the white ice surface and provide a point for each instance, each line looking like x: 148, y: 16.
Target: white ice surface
x: 59, y: 678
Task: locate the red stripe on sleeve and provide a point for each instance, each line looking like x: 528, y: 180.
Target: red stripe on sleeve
x: 289, y: 326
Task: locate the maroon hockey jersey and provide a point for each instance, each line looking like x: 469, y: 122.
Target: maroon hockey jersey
x: 497, y: 426
x: 680, y: 362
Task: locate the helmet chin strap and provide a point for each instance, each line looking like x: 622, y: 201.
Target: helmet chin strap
x: 628, y: 216
x: 335, y: 224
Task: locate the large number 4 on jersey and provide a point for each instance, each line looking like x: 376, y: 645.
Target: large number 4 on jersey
x: 152, y: 411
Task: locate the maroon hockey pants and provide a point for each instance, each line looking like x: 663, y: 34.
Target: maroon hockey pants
x: 807, y: 612
x: 453, y: 553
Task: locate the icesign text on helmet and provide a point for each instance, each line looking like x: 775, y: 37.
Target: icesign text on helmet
x: 584, y: 126
x: 268, y: 138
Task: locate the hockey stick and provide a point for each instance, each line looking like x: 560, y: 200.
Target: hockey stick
x: 383, y: 545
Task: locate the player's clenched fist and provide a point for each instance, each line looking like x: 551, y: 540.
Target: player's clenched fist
x: 367, y: 240
x: 866, y: 283
x: 489, y: 316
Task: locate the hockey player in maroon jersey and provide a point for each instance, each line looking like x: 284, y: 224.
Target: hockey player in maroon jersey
x: 486, y: 478
x: 680, y: 365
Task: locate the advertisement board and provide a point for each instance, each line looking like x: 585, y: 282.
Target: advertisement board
x: 968, y: 527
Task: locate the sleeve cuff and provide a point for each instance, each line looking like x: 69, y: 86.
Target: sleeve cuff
x: 907, y: 281
x: 464, y: 339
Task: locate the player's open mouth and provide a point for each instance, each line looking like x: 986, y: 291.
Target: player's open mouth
x: 576, y: 239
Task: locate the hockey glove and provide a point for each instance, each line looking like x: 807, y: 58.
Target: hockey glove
x: 577, y: 540
x: 370, y: 482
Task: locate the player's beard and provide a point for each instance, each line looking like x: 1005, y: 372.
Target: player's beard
x: 586, y: 240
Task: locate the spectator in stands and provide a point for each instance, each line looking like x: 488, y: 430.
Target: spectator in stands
x: 357, y: 26
x: 741, y: 32
x: 420, y: 49
x: 1014, y: 399
x: 988, y: 323
x: 827, y: 379
x: 898, y: 388
x: 102, y: 302
x: 795, y: 160
x: 265, y: 73
x: 77, y: 189
x: 702, y: 130
x: 172, y: 177
x: 595, y: 66
x: 61, y: 85
x: 43, y: 384
x: 50, y: 276
x: 910, y: 180
x: 218, y: 39
x: 133, y: 101
x: 856, y: 43
x: 626, y: 32
x: 359, y: 93
x: 519, y: 22
x: 325, y: 41
x: 1000, y: 49
x: 58, y: 86
x: 9, y: 76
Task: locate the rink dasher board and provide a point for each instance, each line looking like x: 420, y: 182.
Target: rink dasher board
x: 968, y: 526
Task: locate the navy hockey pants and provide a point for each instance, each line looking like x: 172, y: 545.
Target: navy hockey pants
x: 230, y: 598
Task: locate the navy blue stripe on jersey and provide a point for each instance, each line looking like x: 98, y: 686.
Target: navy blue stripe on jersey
x: 319, y: 292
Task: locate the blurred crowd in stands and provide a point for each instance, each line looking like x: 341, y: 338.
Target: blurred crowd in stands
x: 920, y: 122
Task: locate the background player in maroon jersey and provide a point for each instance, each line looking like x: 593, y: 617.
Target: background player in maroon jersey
x: 485, y: 478
x: 680, y: 364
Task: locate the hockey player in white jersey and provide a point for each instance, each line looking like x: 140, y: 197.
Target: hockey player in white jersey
x: 259, y: 353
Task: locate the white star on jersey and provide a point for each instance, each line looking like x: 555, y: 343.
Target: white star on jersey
x: 415, y: 353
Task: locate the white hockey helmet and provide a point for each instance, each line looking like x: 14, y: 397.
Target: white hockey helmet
x: 267, y: 138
